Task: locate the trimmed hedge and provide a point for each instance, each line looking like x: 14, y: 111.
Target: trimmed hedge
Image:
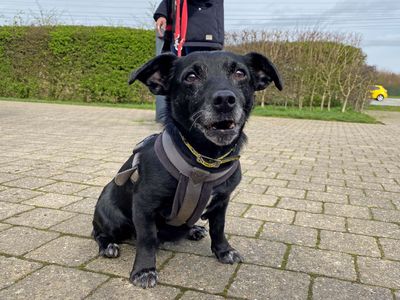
x: 73, y: 63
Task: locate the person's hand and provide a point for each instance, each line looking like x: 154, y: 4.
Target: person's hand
x: 161, y: 24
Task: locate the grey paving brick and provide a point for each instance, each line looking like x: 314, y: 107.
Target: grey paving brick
x: 41, y: 218
x: 13, y: 269
x: 300, y: 205
x: 286, y: 192
x: 333, y: 289
x: 328, y: 263
x: 4, y: 177
x: 15, y: 169
x: 99, y: 180
x: 17, y: 195
x: 202, y: 247
x: 364, y: 185
x: 263, y: 174
x: 390, y: 248
x: 374, y: 228
x: 66, y: 250
x: 256, y: 282
x: 192, y: 295
x: 242, y: 226
x: 350, y: 243
x: 44, y: 172
x: 391, y: 187
x: 91, y: 192
x: 290, y: 234
x: 122, y: 265
x: 30, y: 182
x: 327, y: 197
x: 10, y: 209
x: 270, y: 182
x: 258, y: 199
x: 396, y: 203
x: 380, y: 272
x: 377, y: 179
x: 320, y: 221
x: 19, y: 240
x: 118, y: 288
x: 63, y: 188
x: 328, y: 181
x: 4, y: 226
x: 82, y: 169
x: 52, y: 200
x: 386, y: 215
x: 236, y: 209
x: 85, y: 206
x: 381, y: 194
x: 79, y: 225
x: 201, y: 273
x: 309, y: 186
x: 259, y: 252
x: 296, y: 177
x: 53, y: 282
x: 73, y: 177
x: 345, y: 210
x: 344, y: 190
x: 371, y: 202
x: 270, y: 214
x: 251, y: 188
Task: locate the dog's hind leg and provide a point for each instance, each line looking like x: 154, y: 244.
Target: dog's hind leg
x: 197, y: 233
x: 107, y: 248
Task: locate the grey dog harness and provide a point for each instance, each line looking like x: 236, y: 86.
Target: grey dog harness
x: 194, y: 184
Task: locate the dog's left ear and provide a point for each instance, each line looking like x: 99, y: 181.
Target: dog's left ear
x: 155, y: 73
x: 264, y: 71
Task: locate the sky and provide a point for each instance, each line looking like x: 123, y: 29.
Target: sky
x: 377, y: 22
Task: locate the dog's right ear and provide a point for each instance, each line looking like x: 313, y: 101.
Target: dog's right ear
x: 155, y: 73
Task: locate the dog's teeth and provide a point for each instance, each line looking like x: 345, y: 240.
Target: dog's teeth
x: 213, y: 127
x: 232, y: 125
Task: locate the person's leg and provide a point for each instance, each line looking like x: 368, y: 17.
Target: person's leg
x: 160, y: 108
x: 160, y: 100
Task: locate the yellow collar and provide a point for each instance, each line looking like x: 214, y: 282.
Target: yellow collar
x: 210, y: 162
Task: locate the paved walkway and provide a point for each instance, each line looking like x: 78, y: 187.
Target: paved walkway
x: 316, y: 217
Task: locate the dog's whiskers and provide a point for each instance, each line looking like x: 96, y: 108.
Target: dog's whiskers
x: 195, y: 118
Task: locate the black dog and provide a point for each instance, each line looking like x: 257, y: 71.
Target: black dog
x: 209, y: 99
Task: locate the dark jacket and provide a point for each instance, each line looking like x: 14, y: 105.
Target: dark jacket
x: 205, y: 22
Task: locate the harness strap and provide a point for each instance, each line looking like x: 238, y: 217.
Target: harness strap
x: 122, y: 177
x: 133, y: 172
x: 194, y: 184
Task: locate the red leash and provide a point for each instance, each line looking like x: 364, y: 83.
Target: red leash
x: 181, y: 21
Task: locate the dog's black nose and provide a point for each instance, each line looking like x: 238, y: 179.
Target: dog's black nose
x: 224, y: 100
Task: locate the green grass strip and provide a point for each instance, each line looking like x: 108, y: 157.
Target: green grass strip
x: 315, y: 114
x: 268, y: 111
x: 384, y: 108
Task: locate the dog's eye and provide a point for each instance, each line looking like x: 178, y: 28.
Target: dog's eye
x: 191, y: 77
x: 239, y: 74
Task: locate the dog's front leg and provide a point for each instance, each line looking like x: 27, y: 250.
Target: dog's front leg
x: 219, y: 245
x: 144, y: 272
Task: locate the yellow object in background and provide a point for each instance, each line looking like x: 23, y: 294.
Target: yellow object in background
x: 378, y: 92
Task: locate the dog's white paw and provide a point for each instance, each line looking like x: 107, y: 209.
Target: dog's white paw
x: 111, y: 251
x: 229, y: 257
x: 146, y: 278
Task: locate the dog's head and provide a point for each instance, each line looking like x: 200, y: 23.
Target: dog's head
x: 209, y: 92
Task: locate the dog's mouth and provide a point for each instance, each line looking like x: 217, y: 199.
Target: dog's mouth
x: 222, y: 125
x: 221, y: 133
